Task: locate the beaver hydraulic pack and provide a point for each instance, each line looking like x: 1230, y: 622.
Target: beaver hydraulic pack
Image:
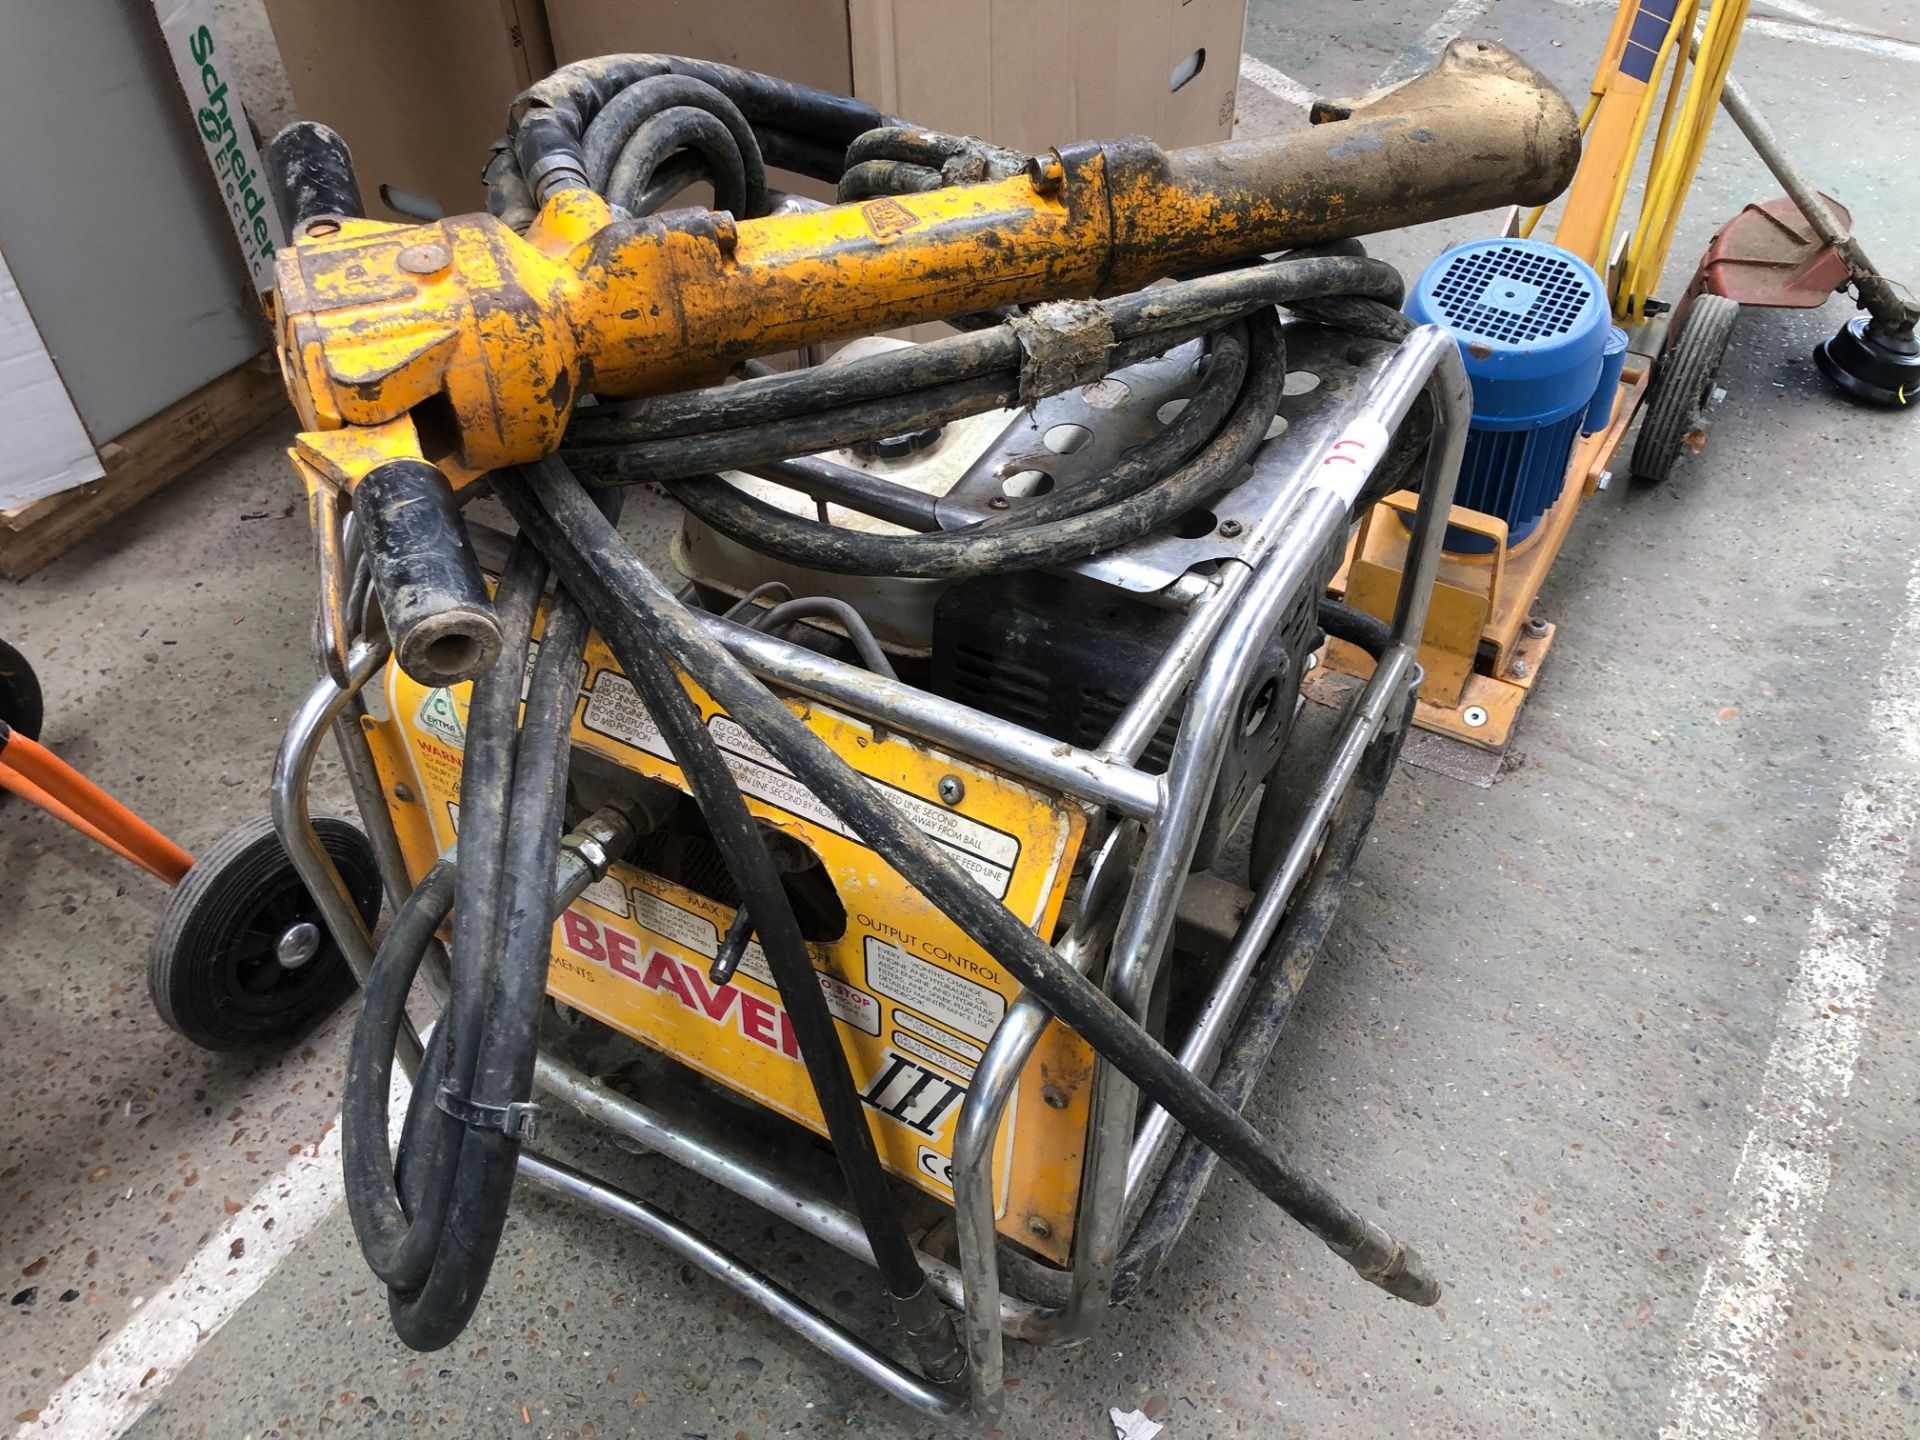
x: 909, y: 821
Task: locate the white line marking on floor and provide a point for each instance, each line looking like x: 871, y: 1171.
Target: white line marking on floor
x: 1809, y: 29
x: 1802, y: 11
x: 102, y: 1399
x: 1276, y: 83
x: 1725, y: 1367
x: 1883, y: 46
x: 1455, y: 21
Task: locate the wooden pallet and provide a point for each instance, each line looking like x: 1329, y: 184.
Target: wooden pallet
x: 147, y: 458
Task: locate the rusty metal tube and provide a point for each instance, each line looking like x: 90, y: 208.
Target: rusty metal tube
x: 1481, y: 129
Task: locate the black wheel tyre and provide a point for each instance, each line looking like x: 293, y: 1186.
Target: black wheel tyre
x: 215, y: 971
x: 1291, y: 786
x: 20, y: 703
x: 1682, y: 386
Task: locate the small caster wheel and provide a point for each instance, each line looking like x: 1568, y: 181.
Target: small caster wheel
x: 20, y: 702
x: 1682, y: 386
x: 242, y: 956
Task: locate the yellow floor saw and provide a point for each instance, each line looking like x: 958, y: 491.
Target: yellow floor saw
x: 936, y: 863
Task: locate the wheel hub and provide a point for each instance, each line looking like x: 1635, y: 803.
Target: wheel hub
x: 297, y: 944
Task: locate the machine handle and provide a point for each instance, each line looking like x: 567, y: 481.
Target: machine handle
x: 310, y: 171
x: 425, y: 573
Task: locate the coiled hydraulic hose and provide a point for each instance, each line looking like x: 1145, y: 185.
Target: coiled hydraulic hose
x: 1187, y: 463
x: 432, y: 1241
x: 400, y: 1242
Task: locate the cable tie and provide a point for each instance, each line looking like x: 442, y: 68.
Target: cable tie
x: 518, y: 1121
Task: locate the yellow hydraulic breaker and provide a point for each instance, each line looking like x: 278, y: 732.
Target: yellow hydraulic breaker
x: 422, y: 356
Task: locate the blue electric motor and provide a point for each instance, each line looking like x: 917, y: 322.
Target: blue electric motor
x: 1533, y: 325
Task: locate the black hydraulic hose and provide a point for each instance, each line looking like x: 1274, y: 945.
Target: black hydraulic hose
x: 1160, y: 314
x: 761, y: 893
x: 486, y: 789
x: 401, y: 1233
x: 669, y: 180
x: 928, y: 149
x: 798, y: 126
x: 791, y: 393
x: 1135, y: 471
x: 610, y: 132
x: 886, y: 177
x: 399, y: 1246
x: 623, y: 461
x: 981, y: 550
x: 1343, y: 622
x: 683, y: 127
x: 432, y: 1315
x: 627, y: 601
x: 784, y: 150
x: 310, y: 175
x: 737, y: 449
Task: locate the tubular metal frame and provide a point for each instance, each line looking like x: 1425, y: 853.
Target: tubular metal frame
x: 1229, y: 622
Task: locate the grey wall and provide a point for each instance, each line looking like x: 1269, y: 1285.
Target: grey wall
x: 108, y: 216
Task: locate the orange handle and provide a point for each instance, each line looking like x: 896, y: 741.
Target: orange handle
x: 42, y: 778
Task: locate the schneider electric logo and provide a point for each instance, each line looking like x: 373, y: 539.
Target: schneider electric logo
x: 241, y: 185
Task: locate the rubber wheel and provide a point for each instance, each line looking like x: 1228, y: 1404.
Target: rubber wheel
x: 1291, y: 786
x: 214, y: 970
x: 20, y: 702
x: 1682, y: 387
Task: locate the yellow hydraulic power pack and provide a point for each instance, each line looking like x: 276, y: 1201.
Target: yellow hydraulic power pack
x: 957, y: 804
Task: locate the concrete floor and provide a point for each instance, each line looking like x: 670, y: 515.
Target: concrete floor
x: 1539, y: 1044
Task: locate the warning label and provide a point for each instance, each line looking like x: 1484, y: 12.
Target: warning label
x: 607, y: 893
x: 670, y: 922
x: 949, y: 998
x: 437, y: 716
x: 614, y: 710
x: 988, y: 855
x: 761, y: 776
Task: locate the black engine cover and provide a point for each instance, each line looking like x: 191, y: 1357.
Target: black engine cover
x: 1063, y: 655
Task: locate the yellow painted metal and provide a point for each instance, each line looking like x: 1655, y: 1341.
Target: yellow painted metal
x: 1476, y: 621
x: 916, y: 1000
x: 1678, y: 149
x: 1624, y: 88
x: 486, y: 338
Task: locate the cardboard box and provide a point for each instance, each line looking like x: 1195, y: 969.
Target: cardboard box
x: 806, y: 41
x: 418, y: 90
x: 1024, y: 73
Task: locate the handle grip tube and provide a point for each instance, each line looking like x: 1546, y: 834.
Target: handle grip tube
x: 426, y: 575
x: 310, y: 171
